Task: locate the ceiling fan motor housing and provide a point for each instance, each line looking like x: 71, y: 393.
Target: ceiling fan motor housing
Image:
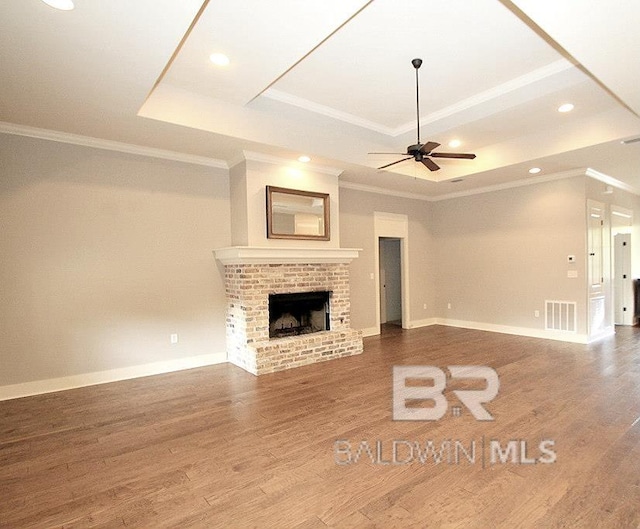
x: 415, y: 149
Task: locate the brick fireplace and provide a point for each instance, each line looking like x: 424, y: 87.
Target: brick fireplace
x: 253, y: 274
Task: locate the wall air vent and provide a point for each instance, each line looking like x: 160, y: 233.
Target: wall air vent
x: 560, y: 316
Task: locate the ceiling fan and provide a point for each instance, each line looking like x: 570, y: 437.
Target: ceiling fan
x: 423, y: 152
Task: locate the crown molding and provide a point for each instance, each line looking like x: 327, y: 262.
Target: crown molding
x: 611, y: 181
x: 469, y: 192
x: 109, y: 145
x: 383, y: 191
x: 252, y: 156
x: 481, y: 98
x: 493, y: 93
x: 513, y: 184
x: 326, y: 111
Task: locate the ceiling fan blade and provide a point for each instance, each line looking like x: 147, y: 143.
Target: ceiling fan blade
x: 398, y: 153
x: 430, y: 164
x: 428, y: 147
x: 462, y: 155
x: 393, y: 163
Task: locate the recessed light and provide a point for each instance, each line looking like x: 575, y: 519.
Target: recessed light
x: 535, y: 170
x: 219, y: 59
x: 455, y: 143
x: 63, y: 5
x: 567, y: 107
x: 304, y: 159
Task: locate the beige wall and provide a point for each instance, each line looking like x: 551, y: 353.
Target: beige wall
x: 238, y: 194
x: 500, y: 255
x: 104, y: 255
x: 260, y: 174
x: 357, y: 231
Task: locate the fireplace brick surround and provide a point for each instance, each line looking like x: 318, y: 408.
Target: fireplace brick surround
x: 248, y: 287
x: 256, y: 266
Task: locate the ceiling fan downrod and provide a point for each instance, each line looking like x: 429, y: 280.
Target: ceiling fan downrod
x: 416, y: 64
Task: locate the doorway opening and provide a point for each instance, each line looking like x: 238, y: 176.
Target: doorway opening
x: 393, y: 230
x: 390, y: 277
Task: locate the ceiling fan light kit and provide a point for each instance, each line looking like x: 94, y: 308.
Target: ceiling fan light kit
x: 422, y: 152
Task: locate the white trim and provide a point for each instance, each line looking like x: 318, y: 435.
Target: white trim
x: 50, y: 385
x: 571, y: 337
x: 382, y: 191
x: 395, y: 225
x: 370, y: 331
x: 610, y: 180
x: 608, y: 332
x: 513, y: 184
x: 482, y: 98
x: 251, y: 156
x: 109, y: 145
x: 619, y: 211
x: 323, y: 110
x: 398, y: 223
x: 518, y: 331
x: 428, y: 322
x: 270, y: 255
x: 470, y: 192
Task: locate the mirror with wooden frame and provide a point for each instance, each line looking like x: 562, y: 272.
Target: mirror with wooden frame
x: 295, y: 214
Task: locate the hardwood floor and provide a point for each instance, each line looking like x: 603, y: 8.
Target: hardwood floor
x: 217, y: 447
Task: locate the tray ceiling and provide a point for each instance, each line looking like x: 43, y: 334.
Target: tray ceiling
x: 334, y: 80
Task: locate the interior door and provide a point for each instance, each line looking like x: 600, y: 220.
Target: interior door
x: 383, y: 293
x: 623, y: 285
x: 596, y: 267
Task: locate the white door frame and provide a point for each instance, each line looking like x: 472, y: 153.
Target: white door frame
x: 396, y: 226
x: 599, y: 303
x: 627, y: 218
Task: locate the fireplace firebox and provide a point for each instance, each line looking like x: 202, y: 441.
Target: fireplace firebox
x: 298, y: 313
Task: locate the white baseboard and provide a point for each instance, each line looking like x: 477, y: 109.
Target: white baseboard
x: 422, y: 323
x: 504, y: 329
x: 370, y: 331
x: 518, y: 331
x: 374, y: 331
x: 50, y: 385
x: 606, y: 333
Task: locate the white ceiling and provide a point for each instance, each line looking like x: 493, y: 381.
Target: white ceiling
x: 333, y: 80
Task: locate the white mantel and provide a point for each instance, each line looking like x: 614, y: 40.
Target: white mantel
x: 293, y: 255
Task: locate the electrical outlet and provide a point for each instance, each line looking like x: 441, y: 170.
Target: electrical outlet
x: 448, y: 305
x: 174, y: 338
x: 424, y: 306
x: 536, y: 313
